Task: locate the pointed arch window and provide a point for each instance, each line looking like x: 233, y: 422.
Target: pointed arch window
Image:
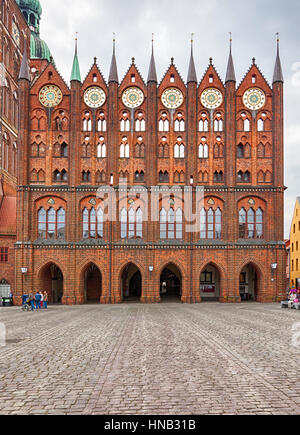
x: 101, y: 122
x: 51, y: 224
x: 101, y: 149
x: 87, y: 122
x: 171, y: 224
x: 203, y: 123
x: 203, y: 152
x: 124, y: 149
x: 179, y: 123
x: 251, y: 223
x: 125, y: 122
x: 140, y: 123
x: 218, y: 123
x: 164, y: 123
x: 92, y: 223
x: 179, y: 149
x: 131, y: 223
x: 210, y: 223
x: 164, y: 177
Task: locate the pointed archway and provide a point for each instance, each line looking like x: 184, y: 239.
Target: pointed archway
x: 170, y: 283
x: 210, y: 283
x: 250, y: 283
x: 131, y: 283
x: 92, y: 284
x: 51, y: 280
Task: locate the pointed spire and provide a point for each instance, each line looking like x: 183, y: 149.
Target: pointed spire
x: 152, y: 76
x: 230, y: 74
x: 192, y: 75
x: 278, y: 76
x: 113, y: 73
x: 24, y: 70
x: 76, y: 70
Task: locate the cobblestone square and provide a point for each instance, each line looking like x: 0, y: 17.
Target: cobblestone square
x: 167, y: 358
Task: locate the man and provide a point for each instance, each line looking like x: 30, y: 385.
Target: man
x: 31, y: 300
x: 37, y: 301
x: 45, y: 300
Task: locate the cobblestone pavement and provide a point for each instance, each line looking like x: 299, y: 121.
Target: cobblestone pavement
x: 151, y: 359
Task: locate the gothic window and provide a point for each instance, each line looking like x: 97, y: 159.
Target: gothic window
x: 203, y: 177
x: 218, y: 124
x: 100, y: 176
x: 179, y: 149
x: 64, y: 150
x: 61, y: 121
x: 163, y: 151
x: 139, y: 177
x: 93, y: 223
x: 86, y: 176
x: 179, y: 124
x: 124, y: 149
x: 203, y: 123
x: 260, y: 125
x: 243, y: 177
x: 51, y: 223
x: 210, y: 223
x: 60, y: 176
x: 218, y: 150
x: 243, y: 151
x: 218, y: 177
x: 163, y: 177
x: 171, y: 224
x: 86, y: 147
x: 125, y: 122
x: 101, y: 122
x: 203, y: 151
x: 101, y: 149
x: 179, y: 177
x: 140, y: 123
x: 131, y: 223
x: 164, y: 124
x: 251, y: 223
x: 139, y: 149
x: 87, y: 122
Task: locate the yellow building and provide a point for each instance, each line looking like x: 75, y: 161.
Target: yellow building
x: 295, y: 247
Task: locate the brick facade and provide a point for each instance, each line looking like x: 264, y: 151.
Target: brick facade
x: 75, y: 269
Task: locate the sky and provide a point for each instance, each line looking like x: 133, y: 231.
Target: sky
x: 253, y: 26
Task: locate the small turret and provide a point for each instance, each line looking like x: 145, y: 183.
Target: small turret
x: 75, y: 75
x: 192, y: 75
x: 113, y: 73
x: 230, y: 74
x: 152, y: 76
x: 278, y: 76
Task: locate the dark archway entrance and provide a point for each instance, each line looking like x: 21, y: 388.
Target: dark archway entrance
x: 249, y: 283
x: 52, y: 281
x: 210, y: 284
x: 92, y: 284
x: 170, y: 283
x: 131, y: 282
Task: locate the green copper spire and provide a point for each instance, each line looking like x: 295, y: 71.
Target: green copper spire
x: 76, y: 70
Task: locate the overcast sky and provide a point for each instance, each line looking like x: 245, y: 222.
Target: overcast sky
x: 253, y: 24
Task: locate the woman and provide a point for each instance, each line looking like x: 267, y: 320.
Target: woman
x: 42, y: 299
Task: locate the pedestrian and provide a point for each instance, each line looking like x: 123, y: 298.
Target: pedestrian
x: 31, y: 300
x: 42, y: 299
x: 37, y: 301
x: 45, y: 300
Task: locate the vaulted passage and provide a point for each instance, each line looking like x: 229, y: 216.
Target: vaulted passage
x: 131, y: 283
x: 92, y: 284
x: 170, y: 284
x: 249, y: 283
x: 210, y: 284
x: 52, y: 281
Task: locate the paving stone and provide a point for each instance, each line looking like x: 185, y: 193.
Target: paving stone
x: 155, y: 359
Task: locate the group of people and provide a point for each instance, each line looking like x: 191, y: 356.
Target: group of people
x: 293, y: 296
x: 38, y: 301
